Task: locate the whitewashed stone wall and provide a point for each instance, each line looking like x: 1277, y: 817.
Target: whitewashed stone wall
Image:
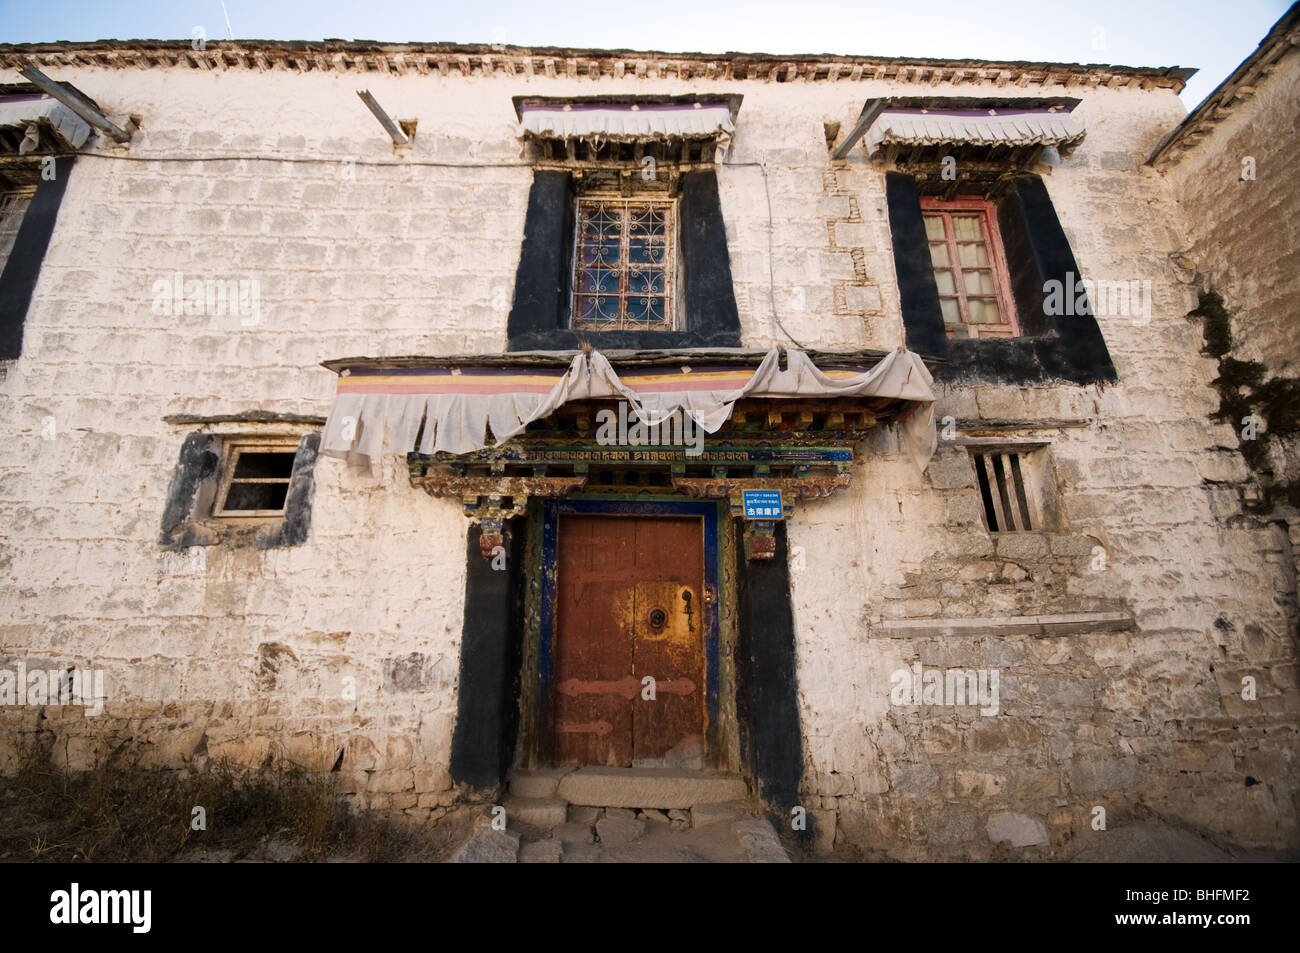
x: 242, y: 653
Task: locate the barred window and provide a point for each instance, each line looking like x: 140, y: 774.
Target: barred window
x: 969, y: 268
x: 624, y: 264
x: 1003, y: 488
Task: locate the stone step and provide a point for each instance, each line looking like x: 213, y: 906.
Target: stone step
x: 539, y: 812
x: 760, y: 841
x: 662, y: 788
x: 540, y: 851
x: 702, y: 815
x: 537, y: 783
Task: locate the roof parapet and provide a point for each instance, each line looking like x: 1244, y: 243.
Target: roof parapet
x: 447, y: 59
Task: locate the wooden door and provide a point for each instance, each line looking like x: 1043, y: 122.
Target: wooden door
x: 629, y: 606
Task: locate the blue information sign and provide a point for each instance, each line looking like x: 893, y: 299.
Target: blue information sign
x: 762, y: 504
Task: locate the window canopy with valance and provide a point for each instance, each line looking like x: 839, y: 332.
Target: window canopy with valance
x: 1012, y: 129
x: 645, y: 118
x: 459, y: 406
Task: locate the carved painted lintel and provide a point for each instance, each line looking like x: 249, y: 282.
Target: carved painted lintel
x: 484, y: 499
x: 732, y: 489
x: 759, y: 536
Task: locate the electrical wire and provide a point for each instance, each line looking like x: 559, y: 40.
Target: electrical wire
x: 392, y: 163
x: 771, y: 253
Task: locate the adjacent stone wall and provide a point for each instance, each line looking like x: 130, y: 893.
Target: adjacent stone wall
x: 1150, y: 522
x: 1240, y: 211
x: 1236, y: 190
x: 243, y: 653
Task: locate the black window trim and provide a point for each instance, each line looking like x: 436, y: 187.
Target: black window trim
x: 189, y: 517
x: 539, y: 315
x: 22, y: 268
x: 1068, y: 347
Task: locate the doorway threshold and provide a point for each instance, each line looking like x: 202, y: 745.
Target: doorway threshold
x: 660, y: 788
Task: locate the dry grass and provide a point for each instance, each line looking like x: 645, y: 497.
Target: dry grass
x: 123, y: 810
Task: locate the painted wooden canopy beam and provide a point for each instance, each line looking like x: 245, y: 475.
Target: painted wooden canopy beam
x: 484, y: 499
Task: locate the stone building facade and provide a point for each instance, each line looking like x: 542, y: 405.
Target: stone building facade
x: 1088, y: 542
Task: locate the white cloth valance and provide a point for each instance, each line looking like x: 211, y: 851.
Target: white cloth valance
x: 18, y: 112
x: 452, y: 409
x: 980, y: 127
x: 625, y: 123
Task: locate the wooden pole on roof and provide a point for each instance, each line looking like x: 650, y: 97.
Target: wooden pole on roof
x: 398, y: 137
x: 870, y: 111
x: 82, y: 107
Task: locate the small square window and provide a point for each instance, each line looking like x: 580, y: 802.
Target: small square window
x: 254, y: 479
x: 1006, y: 488
x: 970, y: 268
x: 624, y: 264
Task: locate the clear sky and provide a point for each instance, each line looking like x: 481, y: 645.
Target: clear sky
x: 1212, y: 35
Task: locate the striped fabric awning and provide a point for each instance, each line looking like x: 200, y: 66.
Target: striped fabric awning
x: 454, y: 409
x: 627, y: 123
x: 980, y: 127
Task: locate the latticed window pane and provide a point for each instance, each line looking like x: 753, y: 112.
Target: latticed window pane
x: 973, y: 255
x: 969, y: 269
x: 979, y: 283
x: 966, y: 228
x: 624, y: 264
x: 13, y: 206
x: 984, y: 311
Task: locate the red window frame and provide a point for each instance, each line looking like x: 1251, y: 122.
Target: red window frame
x: 946, y: 208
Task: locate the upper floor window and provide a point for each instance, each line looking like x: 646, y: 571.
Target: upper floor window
x: 13, y: 206
x: 624, y: 264
x: 970, y: 268
x: 624, y: 243
x: 973, y: 279
x: 39, y: 137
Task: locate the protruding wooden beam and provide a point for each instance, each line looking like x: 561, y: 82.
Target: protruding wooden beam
x: 394, y: 131
x: 869, y: 114
x: 76, y: 103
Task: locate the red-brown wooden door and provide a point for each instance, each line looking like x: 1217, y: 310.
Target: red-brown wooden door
x: 629, y: 606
